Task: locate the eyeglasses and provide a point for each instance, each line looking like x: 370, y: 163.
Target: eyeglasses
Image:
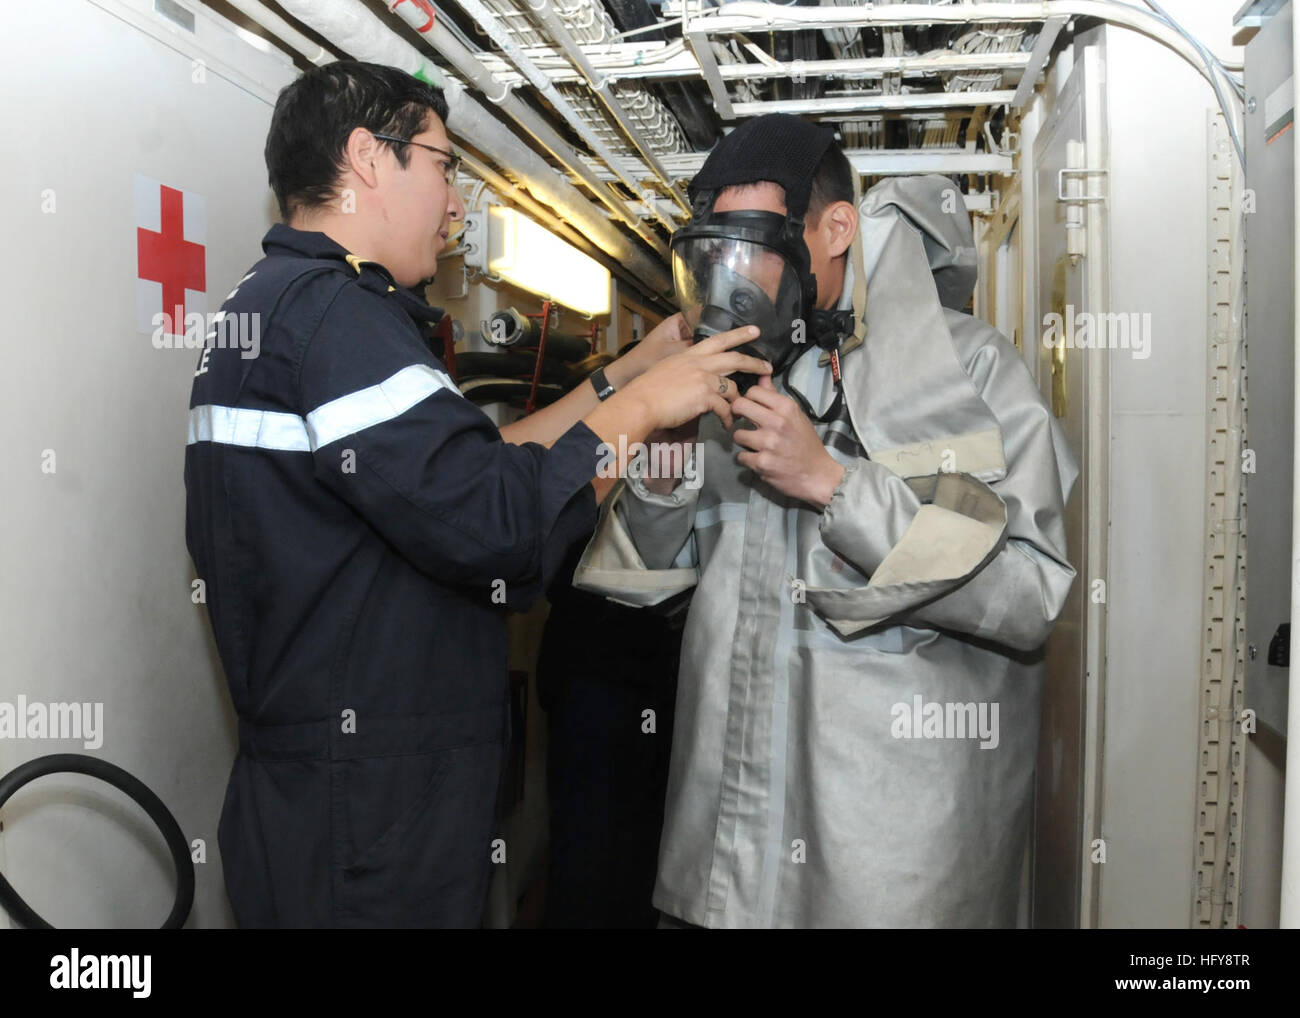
x: 453, y: 160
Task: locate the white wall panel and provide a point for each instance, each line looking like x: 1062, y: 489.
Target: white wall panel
x: 96, y: 604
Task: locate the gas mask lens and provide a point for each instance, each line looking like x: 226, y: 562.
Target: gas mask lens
x: 723, y: 283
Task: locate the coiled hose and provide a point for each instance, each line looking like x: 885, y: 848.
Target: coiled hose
x: 138, y: 791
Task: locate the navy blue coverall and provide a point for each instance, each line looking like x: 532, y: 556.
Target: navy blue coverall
x: 357, y: 523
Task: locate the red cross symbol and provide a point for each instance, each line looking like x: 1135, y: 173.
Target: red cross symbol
x: 167, y: 257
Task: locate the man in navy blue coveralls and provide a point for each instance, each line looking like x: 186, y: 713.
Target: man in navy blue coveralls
x: 352, y: 516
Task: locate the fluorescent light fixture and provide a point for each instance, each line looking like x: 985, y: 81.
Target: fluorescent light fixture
x: 534, y: 259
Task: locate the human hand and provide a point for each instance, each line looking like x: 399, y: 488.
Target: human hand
x: 784, y: 449
x: 670, y: 336
x: 685, y: 385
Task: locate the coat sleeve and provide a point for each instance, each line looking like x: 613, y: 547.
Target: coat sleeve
x: 951, y: 551
x: 394, y: 439
x: 643, y: 550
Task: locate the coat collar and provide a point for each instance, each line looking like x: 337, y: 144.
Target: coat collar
x: 811, y: 379
x: 285, y: 241
x: 911, y: 403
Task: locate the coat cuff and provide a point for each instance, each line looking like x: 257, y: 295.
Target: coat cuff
x: 613, y: 566
x: 678, y: 497
x: 870, y: 509
x: 960, y: 527
x: 661, y: 523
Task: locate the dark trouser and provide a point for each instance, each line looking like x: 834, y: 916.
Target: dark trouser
x: 396, y: 840
x: 607, y: 780
x: 600, y: 668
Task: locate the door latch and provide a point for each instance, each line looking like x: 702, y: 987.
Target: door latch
x: 1074, y: 178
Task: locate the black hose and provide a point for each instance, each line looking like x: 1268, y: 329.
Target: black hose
x: 137, y: 790
x: 511, y: 365
x: 581, y: 369
x: 512, y: 329
x: 514, y: 391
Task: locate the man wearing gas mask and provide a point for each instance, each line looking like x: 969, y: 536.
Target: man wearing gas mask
x: 878, y: 552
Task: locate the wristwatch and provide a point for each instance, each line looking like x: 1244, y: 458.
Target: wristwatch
x: 601, y: 384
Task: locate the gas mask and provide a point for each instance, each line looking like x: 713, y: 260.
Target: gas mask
x: 732, y: 269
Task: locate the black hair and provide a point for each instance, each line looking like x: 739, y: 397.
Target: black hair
x: 832, y: 181
x: 315, y: 114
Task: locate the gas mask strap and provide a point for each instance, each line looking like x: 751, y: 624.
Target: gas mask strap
x: 832, y: 411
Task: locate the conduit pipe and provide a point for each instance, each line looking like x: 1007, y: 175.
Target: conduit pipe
x: 283, y: 31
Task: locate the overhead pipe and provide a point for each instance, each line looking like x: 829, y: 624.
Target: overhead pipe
x: 355, y: 30
x: 282, y: 30
x: 560, y: 35
x: 873, y: 67
x: 438, y: 37
x: 647, y: 70
x: 748, y: 15
x: 535, y: 77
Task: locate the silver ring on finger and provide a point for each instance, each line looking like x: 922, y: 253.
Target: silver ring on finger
x: 722, y: 385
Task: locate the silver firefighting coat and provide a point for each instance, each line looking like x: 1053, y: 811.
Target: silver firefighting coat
x: 858, y: 704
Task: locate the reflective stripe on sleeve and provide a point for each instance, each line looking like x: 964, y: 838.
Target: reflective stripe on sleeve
x: 271, y: 429
x: 374, y: 405
x: 253, y: 429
